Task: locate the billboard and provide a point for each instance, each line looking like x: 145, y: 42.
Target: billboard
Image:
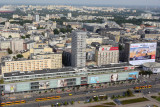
x: 142, y: 52
x: 94, y: 80
x: 10, y: 88
x: 133, y: 75
x: 43, y: 84
x: 114, y: 77
x: 62, y: 83
x: 23, y: 87
x: 107, y: 48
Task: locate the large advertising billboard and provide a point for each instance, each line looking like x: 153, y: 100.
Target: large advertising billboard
x: 142, y: 52
x: 10, y: 88
x: 133, y: 75
x: 23, y: 87
x: 114, y: 77
x: 43, y: 84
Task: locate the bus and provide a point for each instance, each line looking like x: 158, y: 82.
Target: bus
x: 40, y: 99
x: 17, y: 102
x: 9, y: 103
x: 143, y: 87
x: 23, y: 101
x: 2, y: 104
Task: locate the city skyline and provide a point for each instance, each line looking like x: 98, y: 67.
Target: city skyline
x: 88, y: 2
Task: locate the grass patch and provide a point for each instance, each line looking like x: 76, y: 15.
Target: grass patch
x: 109, y: 103
x: 156, y: 97
x: 134, y: 101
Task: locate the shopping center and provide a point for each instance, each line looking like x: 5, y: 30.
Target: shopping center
x: 66, y: 77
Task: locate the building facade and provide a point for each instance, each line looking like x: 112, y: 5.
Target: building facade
x: 78, y: 49
x: 106, y: 54
x: 32, y: 65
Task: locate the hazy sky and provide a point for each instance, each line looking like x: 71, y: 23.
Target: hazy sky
x: 87, y: 2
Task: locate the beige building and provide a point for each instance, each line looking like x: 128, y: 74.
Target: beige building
x: 35, y: 51
x: 32, y: 65
x: 106, y: 54
x: 5, y: 45
x: 3, y: 53
x: 7, y: 34
x: 17, y: 45
x: 90, y: 40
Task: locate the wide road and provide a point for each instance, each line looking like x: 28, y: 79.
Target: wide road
x: 83, y: 96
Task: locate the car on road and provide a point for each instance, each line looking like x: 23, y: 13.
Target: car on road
x: 69, y: 94
x: 94, y: 91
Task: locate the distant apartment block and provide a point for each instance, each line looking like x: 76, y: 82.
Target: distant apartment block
x: 32, y: 65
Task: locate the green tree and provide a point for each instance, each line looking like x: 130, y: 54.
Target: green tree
x: 113, y: 97
x: 23, y: 37
x: 59, y: 104
x: 56, y: 31
x: 69, y: 26
x: 101, y: 97
x: 90, y: 100
x: 72, y: 102
x: 63, y: 30
x: 129, y: 92
x: 65, y: 103
x: 28, y: 36
x: 1, y: 81
x: 106, y: 97
x: 19, y: 56
x: 95, y: 98
x: 63, y: 89
x: 9, y: 51
x: 9, y: 36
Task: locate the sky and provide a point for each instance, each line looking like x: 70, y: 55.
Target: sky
x: 85, y: 2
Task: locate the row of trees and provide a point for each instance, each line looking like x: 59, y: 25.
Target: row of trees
x: 120, y: 19
x: 63, y: 30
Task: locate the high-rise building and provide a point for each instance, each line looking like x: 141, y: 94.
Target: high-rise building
x: 106, y: 54
x: 37, y: 17
x: 69, y: 15
x: 78, y: 49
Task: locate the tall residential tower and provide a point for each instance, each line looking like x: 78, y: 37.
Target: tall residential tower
x: 78, y: 49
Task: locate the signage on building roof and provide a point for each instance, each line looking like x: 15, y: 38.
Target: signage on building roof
x: 108, y: 48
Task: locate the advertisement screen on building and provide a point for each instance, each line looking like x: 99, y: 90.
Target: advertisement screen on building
x: 94, y: 80
x: 62, y: 83
x: 133, y: 75
x: 114, y: 77
x: 43, y: 84
x: 10, y: 88
x: 66, y: 82
x: 142, y: 52
x: 108, y: 48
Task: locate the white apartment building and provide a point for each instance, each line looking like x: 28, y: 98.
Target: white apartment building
x: 106, y: 54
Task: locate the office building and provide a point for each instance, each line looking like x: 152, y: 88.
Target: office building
x: 37, y: 17
x: 106, y: 54
x: 78, y: 49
